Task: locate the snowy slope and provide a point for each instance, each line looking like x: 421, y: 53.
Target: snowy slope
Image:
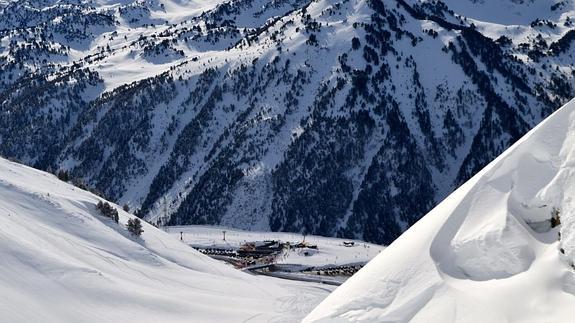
x: 509, y: 12
x: 63, y: 262
x: 476, y: 257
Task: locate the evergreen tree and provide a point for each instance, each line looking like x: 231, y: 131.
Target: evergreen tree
x: 63, y: 175
x: 108, y: 211
x: 135, y: 227
x: 355, y: 43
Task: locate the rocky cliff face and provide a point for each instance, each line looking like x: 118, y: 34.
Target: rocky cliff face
x: 348, y: 118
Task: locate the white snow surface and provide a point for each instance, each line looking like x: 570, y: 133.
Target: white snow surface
x: 331, y: 251
x: 60, y: 261
x: 475, y: 257
x: 507, y: 12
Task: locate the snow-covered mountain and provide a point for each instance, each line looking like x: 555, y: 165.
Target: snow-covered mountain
x: 336, y: 117
x: 62, y: 261
x: 501, y: 248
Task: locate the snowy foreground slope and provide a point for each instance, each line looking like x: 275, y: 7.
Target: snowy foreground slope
x: 60, y: 261
x: 477, y: 257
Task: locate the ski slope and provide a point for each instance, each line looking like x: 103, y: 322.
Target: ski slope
x: 63, y: 262
x: 476, y: 257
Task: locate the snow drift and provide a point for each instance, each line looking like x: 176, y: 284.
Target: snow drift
x: 60, y: 261
x: 488, y: 252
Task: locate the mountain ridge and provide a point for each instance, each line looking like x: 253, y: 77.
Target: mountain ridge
x: 322, y: 117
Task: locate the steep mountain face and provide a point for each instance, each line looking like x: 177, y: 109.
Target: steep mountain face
x: 498, y: 249
x: 348, y: 118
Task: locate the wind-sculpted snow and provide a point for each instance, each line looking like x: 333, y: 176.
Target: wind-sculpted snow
x: 62, y: 261
x: 499, y: 249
